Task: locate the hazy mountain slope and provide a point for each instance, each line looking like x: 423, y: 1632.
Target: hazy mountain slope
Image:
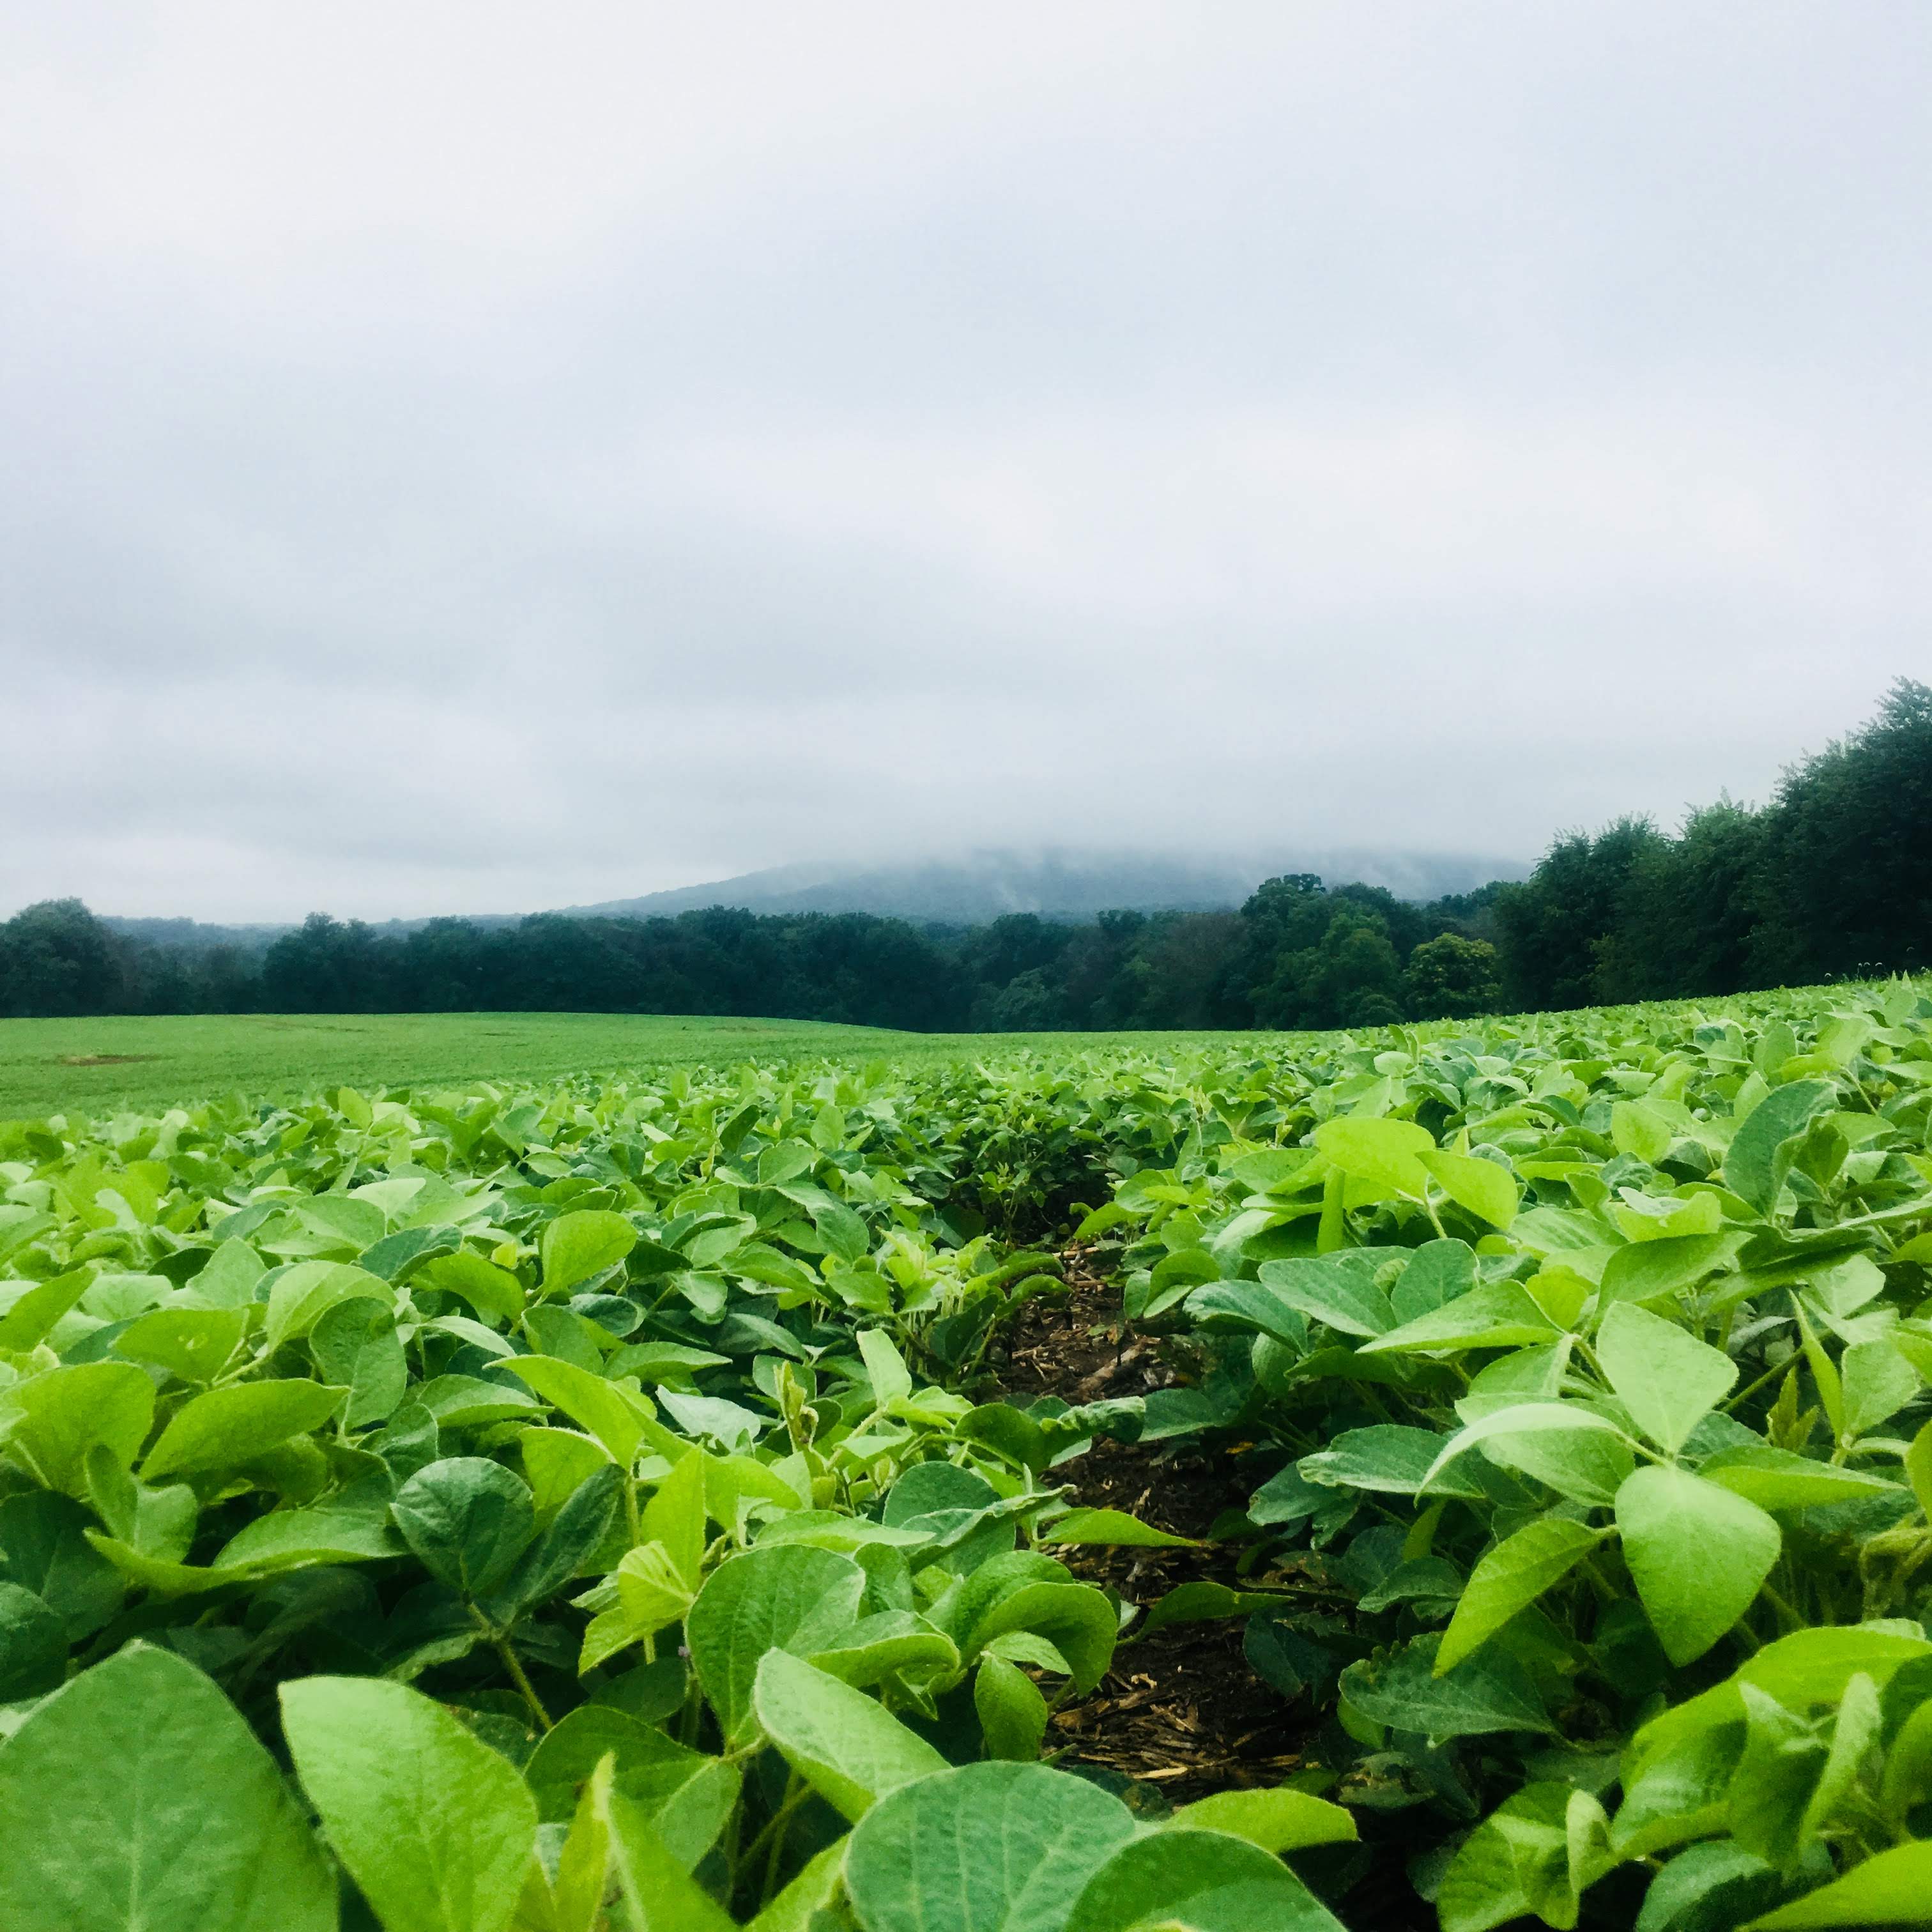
x: 1070, y: 884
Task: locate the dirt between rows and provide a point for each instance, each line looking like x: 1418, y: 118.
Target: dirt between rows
x: 1181, y: 1713
x: 1181, y: 1710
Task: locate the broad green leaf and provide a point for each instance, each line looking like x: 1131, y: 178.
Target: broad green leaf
x: 1490, y: 1692
x: 790, y: 1598
x: 1780, y: 1479
x: 1655, y: 1270
x: 303, y: 1294
x: 1641, y: 1130
x: 1510, y: 1578
x: 31, y: 1318
x: 1382, y: 1152
x: 1697, y: 1553
x: 1488, y: 1191
x: 984, y: 1848
x: 1340, y: 1291
x: 355, y: 1344
x: 1514, y: 1865
x: 1668, y: 1381
x: 33, y: 1645
x: 648, y: 1766
x: 1012, y: 1713
x: 1276, y: 1819
x: 50, y: 1422
x: 494, y: 1292
x: 1114, y: 1528
x: 194, y: 1343
x: 1762, y: 1149
x: 1891, y: 1889
x: 43, y: 1548
x: 565, y: 1546
x: 1197, y: 1878
x: 433, y: 1825
x: 619, y: 1418
x: 892, y: 1380
x: 224, y: 1426
x: 136, y: 1799
x: 817, y: 1890
x: 1076, y: 1618
x: 468, y: 1519
x: 1715, y: 1883
x: 577, y: 1246
x: 1878, y: 1382
x: 1389, y: 1457
x: 659, y: 1895
x: 846, y: 1745
x: 1500, y: 1315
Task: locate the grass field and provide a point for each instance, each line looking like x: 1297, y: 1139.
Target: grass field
x: 47, y: 1065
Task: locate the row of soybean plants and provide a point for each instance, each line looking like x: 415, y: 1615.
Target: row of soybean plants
x: 1587, y: 1361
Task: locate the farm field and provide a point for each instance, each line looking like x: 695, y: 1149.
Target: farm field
x: 1454, y: 1476
x: 137, y: 1061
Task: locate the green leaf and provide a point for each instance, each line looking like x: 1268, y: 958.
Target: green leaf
x: 468, y: 1519
x: 1276, y: 1819
x: 33, y: 1645
x: 790, y: 1598
x: 1382, y: 1152
x: 1889, y: 1889
x: 573, y: 1534
x: 1878, y: 1382
x: 355, y: 1345
x: 1340, y: 1291
x: 224, y: 1426
x: 1011, y: 1713
x: 436, y: 1828
x: 1514, y: 1864
x: 1780, y: 1479
x: 649, y: 1768
x: 619, y: 1417
x: 1705, y: 1886
x: 31, y: 1318
x: 1205, y: 1881
x: 1762, y: 1149
x: 1668, y: 1381
x: 1510, y: 1578
x: 1488, y: 1191
x: 984, y: 1848
x: 1655, y: 1271
x: 1078, y: 1620
x: 1113, y: 1528
x: 136, y: 1799
x: 846, y: 1745
x: 1698, y: 1555
x: 494, y: 1292
x: 1488, y: 1692
x: 1918, y: 1468
x: 659, y: 1894
x: 892, y: 1380
x: 1641, y: 1130
x: 50, y: 1422
x: 577, y: 1246
x: 193, y: 1343
x: 303, y: 1294
x: 1389, y: 1457
x: 43, y: 1548
x: 1500, y: 1315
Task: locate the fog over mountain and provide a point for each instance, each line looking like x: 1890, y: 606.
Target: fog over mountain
x: 1064, y: 883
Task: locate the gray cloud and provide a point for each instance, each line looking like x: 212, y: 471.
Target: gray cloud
x: 475, y: 458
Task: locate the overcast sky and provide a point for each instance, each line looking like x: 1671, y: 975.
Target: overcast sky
x: 479, y: 457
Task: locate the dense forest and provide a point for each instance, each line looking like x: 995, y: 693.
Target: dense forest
x: 1832, y: 877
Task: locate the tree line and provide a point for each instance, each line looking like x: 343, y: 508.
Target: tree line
x: 1833, y: 877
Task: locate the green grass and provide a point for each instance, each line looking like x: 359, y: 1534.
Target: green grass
x: 146, y: 1063
x: 48, y: 1066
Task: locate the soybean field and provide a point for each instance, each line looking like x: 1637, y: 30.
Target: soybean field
x: 1462, y: 1476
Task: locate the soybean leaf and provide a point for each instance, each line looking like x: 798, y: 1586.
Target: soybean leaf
x: 1762, y: 1149
x: 33, y: 1645
x: 846, y: 1745
x: 790, y: 1598
x: 1278, y: 1819
x: 1113, y: 1528
x: 136, y: 1799
x: 56, y: 1417
x: 1012, y: 1713
x: 1668, y: 1381
x: 1510, y: 1578
x: 1487, y: 1190
x: 984, y: 1848
x: 577, y: 1246
x: 1890, y: 1888
x: 43, y: 1548
x: 468, y: 1519
x: 1197, y: 1878
x: 1491, y: 1692
x: 1698, y: 1555
x: 436, y: 1828
x: 222, y: 1427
